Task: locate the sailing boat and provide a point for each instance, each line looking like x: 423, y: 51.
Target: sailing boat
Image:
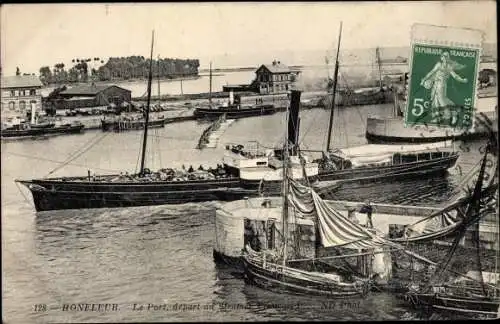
x: 167, y: 186
x: 232, y: 109
x: 263, y: 269
x: 283, y: 263
x: 470, y: 294
x: 381, y: 162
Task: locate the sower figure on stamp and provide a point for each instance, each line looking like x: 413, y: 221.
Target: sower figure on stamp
x: 436, y: 81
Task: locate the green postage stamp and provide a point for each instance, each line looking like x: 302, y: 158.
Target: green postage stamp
x: 442, y: 87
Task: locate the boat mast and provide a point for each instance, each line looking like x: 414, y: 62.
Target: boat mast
x: 158, y: 78
x: 210, y: 94
x: 285, y: 192
x: 377, y: 54
x: 146, y: 121
x: 335, y: 77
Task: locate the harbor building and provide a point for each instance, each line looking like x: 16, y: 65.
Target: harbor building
x: 92, y: 95
x: 273, y: 78
x: 19, y: 94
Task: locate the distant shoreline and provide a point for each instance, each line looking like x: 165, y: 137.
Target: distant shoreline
x: 301, y: 67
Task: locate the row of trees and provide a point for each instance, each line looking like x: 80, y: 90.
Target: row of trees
x: 117, y: 68
x: 81, y: 71
x: 134, y: 67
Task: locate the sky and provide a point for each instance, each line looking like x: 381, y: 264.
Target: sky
x: 33, y: 35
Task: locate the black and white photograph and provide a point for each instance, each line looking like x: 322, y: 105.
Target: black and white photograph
x: 249, y: 161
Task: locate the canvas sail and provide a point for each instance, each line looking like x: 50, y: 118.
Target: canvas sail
x: 334, y: 228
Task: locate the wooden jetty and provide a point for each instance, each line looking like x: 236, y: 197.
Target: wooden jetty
x: 211, y: 135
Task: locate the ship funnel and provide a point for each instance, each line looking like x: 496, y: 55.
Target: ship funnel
x: 293, y: 119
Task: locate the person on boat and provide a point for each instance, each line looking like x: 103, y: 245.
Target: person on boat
x: 201, y: 168
x: 368, y: 210
x: 251, y: 235
x: 190, y: 169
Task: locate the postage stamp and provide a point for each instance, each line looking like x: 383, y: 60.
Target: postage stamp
x: 443, y: 78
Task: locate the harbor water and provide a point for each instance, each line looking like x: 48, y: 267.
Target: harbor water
x: 162, y: 255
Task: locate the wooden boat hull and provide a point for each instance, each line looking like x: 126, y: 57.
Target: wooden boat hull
x: 465, y: 306
x: 357, y: 99
x: 393, y: 172
x: 369, y: 174
x: 46, y: 200
x: 118, y: 126
x: 233, y: 113
x: 56, y: 194
x: 38, y: 126
x: 276, y: 280
x: 392, y: 130
x: 65, y: 129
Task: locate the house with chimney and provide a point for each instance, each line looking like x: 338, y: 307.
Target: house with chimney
x: 273, y: 78
x: 20, y: 94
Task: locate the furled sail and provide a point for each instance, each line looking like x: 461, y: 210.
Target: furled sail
x: 334, y: 228
x: 372, y: 150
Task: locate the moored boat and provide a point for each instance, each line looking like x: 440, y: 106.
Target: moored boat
x: 373, y: 162
x: 15, y: 127
x: 233, y: 109
x: 123, y: 123
x: 279, y: 264
x: 27, y: 130
x: 446, y: 288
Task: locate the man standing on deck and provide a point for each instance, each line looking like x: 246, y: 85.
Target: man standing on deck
x: 367, y: 209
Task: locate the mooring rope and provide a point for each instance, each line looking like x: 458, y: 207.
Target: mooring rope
x: 55, y: 161
x: 77, y: 155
